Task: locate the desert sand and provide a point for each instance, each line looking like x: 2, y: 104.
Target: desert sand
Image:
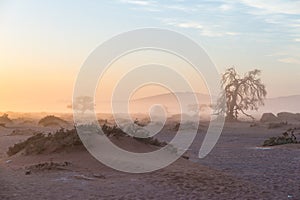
x: 237, y: 168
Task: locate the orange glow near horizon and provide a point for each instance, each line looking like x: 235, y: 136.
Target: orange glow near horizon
x: 49, y: 89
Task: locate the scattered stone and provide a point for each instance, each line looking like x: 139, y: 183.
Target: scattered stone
x: 27, y: 172
x: 254, y: 125
x: 8, y: 161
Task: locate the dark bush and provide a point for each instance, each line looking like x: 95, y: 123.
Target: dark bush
x: 287, y: 137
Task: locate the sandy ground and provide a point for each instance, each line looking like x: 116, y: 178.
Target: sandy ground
x: 239, y: 153
x: 235, y: 169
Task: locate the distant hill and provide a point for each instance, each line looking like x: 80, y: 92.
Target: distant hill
x: 282, y: 104
x: 274, y: 105
x: 52, y: 120
x: 166, y: 98
x: 169, y: 101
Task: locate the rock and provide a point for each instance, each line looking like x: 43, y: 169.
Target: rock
x: 27, y: 172
x: 268, y: 117
x: 254, y: 124
x: 289, y: 117
x: 185, y: 157
x: 8, y: 161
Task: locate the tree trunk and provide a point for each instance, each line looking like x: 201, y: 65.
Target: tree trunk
x: 230, y: 115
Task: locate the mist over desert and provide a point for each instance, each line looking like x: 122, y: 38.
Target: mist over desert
x: 149, y: 99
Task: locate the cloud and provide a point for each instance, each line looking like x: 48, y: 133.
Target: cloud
x: 279, y: 14
x: 277, y: 54
x: 139, y: 2
x: 205, y: 30
x: 232, y: 33
x: 275, y: 6
x: 297, y: 40
x: 209, y: 33
x: 290, y: 60
x: 226, y: 7
x: 179, y: 7
x: 194, y: 25
x: 149, y: 9
x: 284, y: 13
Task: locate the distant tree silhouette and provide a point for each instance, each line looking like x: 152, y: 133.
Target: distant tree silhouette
x: 83, y: 103
x: 240, y: 94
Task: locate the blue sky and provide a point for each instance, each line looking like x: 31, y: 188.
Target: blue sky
x: 51, y: 37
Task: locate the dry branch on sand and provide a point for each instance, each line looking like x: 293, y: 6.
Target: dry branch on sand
x: 46, y: 166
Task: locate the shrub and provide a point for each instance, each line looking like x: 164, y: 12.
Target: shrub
x: 287, y: 137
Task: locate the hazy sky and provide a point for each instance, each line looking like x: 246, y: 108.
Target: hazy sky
x: 44, y: 43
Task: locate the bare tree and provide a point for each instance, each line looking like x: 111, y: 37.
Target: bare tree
x: 240, y: 93
x: 83, y: 103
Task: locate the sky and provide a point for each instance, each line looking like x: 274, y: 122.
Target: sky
x: 44, y: 43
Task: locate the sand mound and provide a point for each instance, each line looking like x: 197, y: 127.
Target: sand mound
x: 62, y: 140
x: 52, y: 120
x: 268, y: 117
x: 66, y: 140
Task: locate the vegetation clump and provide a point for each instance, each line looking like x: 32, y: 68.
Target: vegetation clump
x: 63, y: 140
x: 117, y: 132
x: 288, y: 137
x: 41, y: 143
